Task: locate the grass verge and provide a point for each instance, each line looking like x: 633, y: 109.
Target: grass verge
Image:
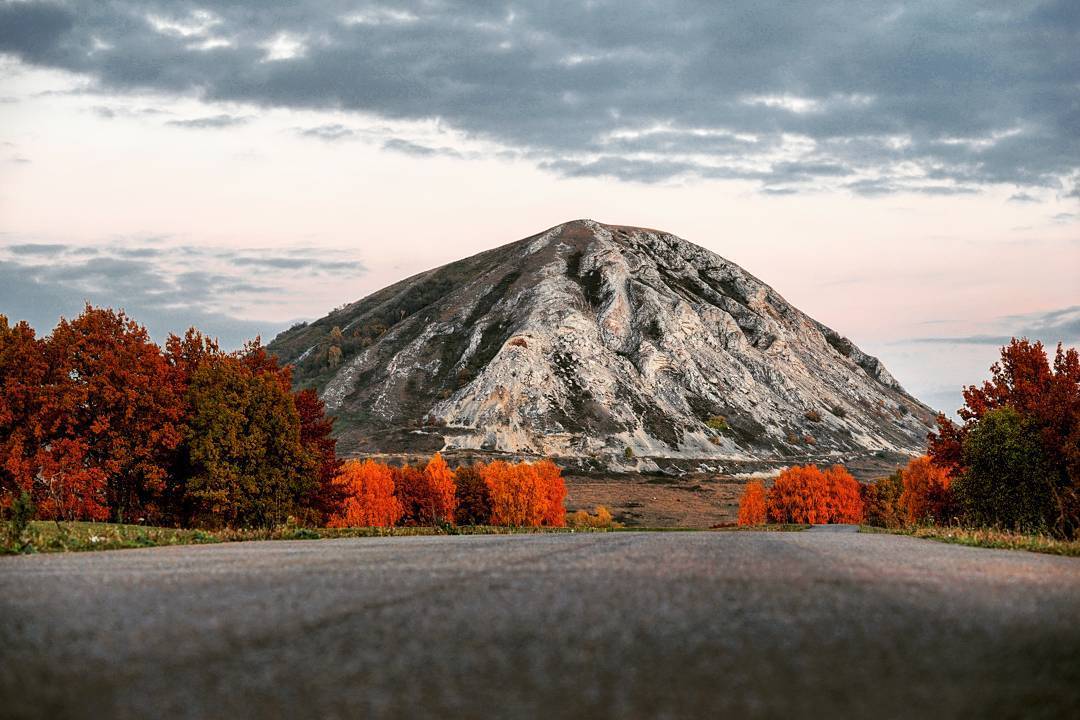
x: 986, y: 538
x: 49, y: 536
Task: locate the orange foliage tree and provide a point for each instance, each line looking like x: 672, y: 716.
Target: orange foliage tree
x: 517, y: 497
x: 752, y: 504
x: 367, y: 491
x: 440, y: 480
x: 843, y: 499
x: 927, y: 494
x: 805, y: 494
x: 551, y: 481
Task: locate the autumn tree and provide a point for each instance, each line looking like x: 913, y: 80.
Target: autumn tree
x: 1046, y: 399
x: 554, y: 487
x: 473, y: 496
x: 927, y: 495
x: 24, y: 373
x: 752, y: 504
x: 248, y: 464
x: 517, y: 497
x: 881, y: 501
x: 796, y: 497
x: 843, y: 498
x: 367, y: 492
x: 315, y: 435
x: 112, y: 394
x: 443, y: 499
x: 806, y: 494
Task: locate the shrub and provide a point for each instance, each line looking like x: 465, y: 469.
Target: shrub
x: 813, y: 416
x: 1007, y: 479
x: 752, y: 504
x: 22, y: 511
x: 927, y: 496
x: 718, y: 423
x: 628, y: 453
x: 368, y: 490
x: 838, y: 411
x: 601, y: 518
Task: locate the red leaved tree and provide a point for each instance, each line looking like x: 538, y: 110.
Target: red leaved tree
x: 112, y: 391
x: 315, y: 429
x: 752, y: 504
x: 367, y: 489
x: 473, y: 496
x: 24, y: 373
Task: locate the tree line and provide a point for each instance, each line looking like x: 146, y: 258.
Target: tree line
x: 497, y: 493
x: 1013, y: 462
x: 97, y: 422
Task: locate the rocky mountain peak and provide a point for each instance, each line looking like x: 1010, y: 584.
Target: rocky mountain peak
x: 618, y: 345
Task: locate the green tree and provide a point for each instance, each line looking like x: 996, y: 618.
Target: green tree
x: 1007, y: 479
x: 249, y: 465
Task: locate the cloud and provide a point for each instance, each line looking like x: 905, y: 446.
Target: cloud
x: 330, y: 133
x: 1051, y: 327
x: 1023, y: 197
x: 410, y: 148
x: 941, y: 98
x: 38, y: 248
x: 214, y: 122
x: 168, y: 290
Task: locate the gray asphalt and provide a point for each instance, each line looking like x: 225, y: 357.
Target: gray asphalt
x: 628, y: 625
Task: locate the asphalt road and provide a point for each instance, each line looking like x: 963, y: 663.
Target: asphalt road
x: 626, y: 625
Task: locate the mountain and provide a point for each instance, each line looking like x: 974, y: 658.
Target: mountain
x: 617, y: 346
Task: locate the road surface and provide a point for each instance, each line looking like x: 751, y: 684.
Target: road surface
x: 627, y: 625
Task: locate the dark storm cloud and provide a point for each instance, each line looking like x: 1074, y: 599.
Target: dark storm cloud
x: 966, y: 93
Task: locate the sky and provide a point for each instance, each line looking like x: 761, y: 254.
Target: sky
x: 907, y: 173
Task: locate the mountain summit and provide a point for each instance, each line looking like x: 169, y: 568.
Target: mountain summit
x: 619, y: 345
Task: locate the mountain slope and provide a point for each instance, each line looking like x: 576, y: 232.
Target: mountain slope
x: 603, y: 342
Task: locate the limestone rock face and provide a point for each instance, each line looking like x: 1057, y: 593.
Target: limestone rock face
x: 623, y: 345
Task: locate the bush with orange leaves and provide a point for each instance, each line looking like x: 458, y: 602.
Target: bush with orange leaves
x: 427, y: 496
x: 524, y: 494
x: 806, y: 494
x: 752, y: 504
x: 551, y: 481
x: 927, y: 494
x: 369, y: 501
